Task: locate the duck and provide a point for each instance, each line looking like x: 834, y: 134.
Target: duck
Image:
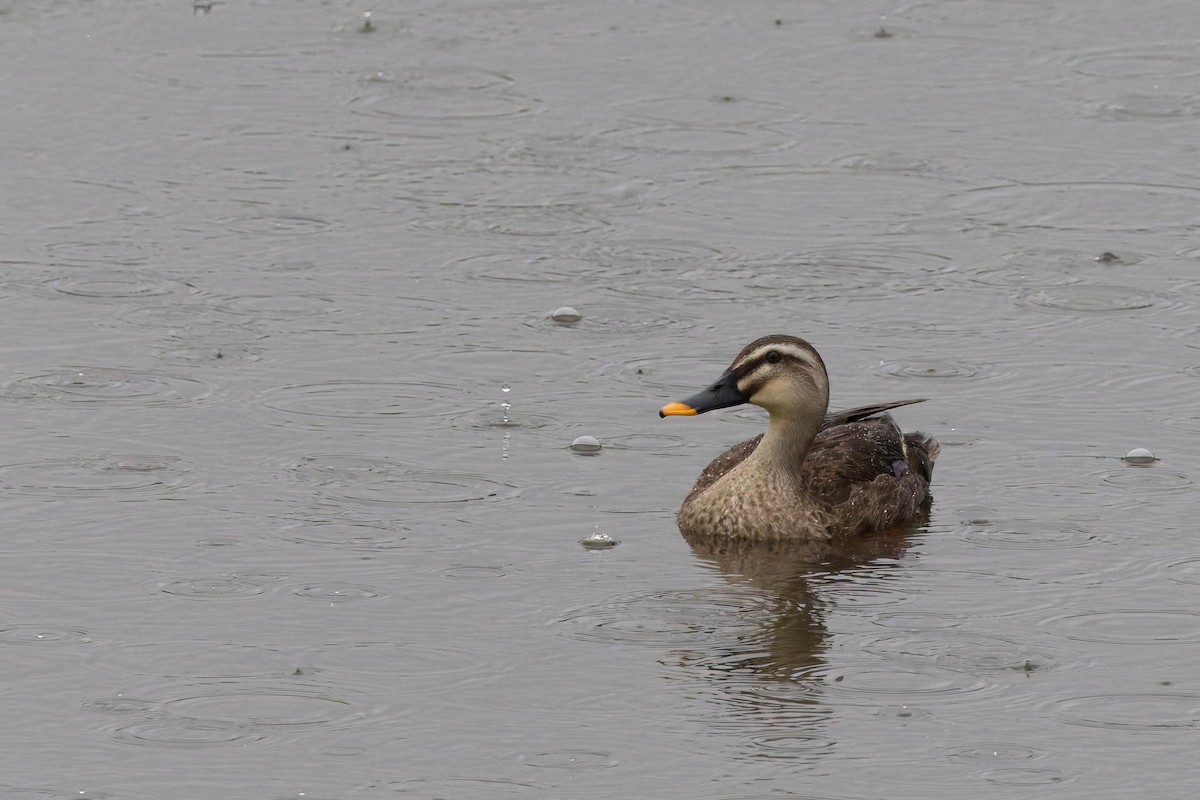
x: 813, y: 476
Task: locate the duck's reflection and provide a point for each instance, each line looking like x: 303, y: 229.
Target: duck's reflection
x: 767, y: 673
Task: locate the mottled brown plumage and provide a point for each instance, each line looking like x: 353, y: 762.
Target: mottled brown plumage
x: 812, y: 476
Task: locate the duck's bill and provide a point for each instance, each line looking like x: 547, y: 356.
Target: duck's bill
x: 677, y: 410
x: 722, y: 394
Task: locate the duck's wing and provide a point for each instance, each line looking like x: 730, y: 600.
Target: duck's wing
x: 868, y: 473
x: 723, y: 463
x: 863, y: 412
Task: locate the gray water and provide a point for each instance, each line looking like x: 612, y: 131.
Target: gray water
x: 272, y: 526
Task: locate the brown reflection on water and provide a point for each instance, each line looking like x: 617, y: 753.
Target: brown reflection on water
x: 792, y: 638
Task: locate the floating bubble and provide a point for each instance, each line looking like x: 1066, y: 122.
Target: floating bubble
x: 598, y: 541
x: 1140, y: 455
x: 566, y: 315
x: 586, y: 444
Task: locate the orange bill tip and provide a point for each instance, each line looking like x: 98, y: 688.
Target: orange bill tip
x: 676, y: 410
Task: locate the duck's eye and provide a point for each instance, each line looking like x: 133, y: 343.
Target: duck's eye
x: 774, y: 357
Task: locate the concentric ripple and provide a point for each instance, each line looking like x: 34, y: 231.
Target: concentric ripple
x: 905, y: 683
x: 1139, y: 627
x: 1147, y: 106
x: 373, y: 481
x: 1148, y: 712
x: 441, y: 94
x: 222, y: 588
x: 1144, y: 62
x: 264, y: 706
x: 117, y: 705
x: 280, y: 306
x: 237, y: 712
x: 1140, y: 480
x: 961, y: 650
x: 571, y: 760
x: 32, y: 634
x: 627, y: 315
x: 1185, y: 571
x: 1090, y: 298
x: 1042, y: 268
x: 776, y: 742
x: 343, y: 534
x: 339, y: 592
x: 1032, y: 535
x: 118, y: 284
x: 185, y: 733
x: 979, y: 15
x: 123, y: 477
x: 131, y: 251
x: 106, y: 385
x: 994, y: 752
x: 275, y: 225
x: 849, y: 272
x: 940, y: 370
x: 364, y: 405
x: 1095, y: 207
x: 661, y: 619
x: 693, y: 137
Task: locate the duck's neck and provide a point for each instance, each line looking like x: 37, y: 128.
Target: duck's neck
x: 786, y: 441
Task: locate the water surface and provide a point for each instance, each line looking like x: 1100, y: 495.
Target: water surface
x: 268, y: 281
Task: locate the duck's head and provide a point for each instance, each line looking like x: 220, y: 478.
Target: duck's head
x: 783, y: 374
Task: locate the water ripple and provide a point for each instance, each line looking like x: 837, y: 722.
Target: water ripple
x: 839, y: 273
x: 1091, y: 298
x: 106, y: 385
x: 118, y: 284
x: 338, y: 591
x: 123, y: 477
x: 934, y: 369
x: 205, y: 715
x: 571, y: 760
x: 961, y: 650
x: 373, y: 481
x: 32, y: 634
x: 364, y: 405
x: 274, y: 225
x: 1147, y: 106
x: 694, y: 137
x: 661, y: 619
x: 1032, y: 535
x: 888, y: 683
x: 1146, y: 712
x: 1141, y: 62
x: 222, y: 588
x: 1103, y: 208
x: 979, y: 15
x: 343, y: 534
x: 993, y: 752
x: 440, y: 94
x: 1129, y: 626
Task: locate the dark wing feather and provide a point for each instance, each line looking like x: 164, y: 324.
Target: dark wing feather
x: 862, y: 412
x: 869, y: 474
x: 739, y: 452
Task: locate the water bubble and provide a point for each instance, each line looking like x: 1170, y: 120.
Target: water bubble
x: 506, y: 388
x: 566, y: 315
x: 598, y: 541
x: 586, y: 444
x: 1140, y: 455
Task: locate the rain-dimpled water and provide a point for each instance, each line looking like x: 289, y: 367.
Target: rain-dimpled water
x: 334, y: 338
